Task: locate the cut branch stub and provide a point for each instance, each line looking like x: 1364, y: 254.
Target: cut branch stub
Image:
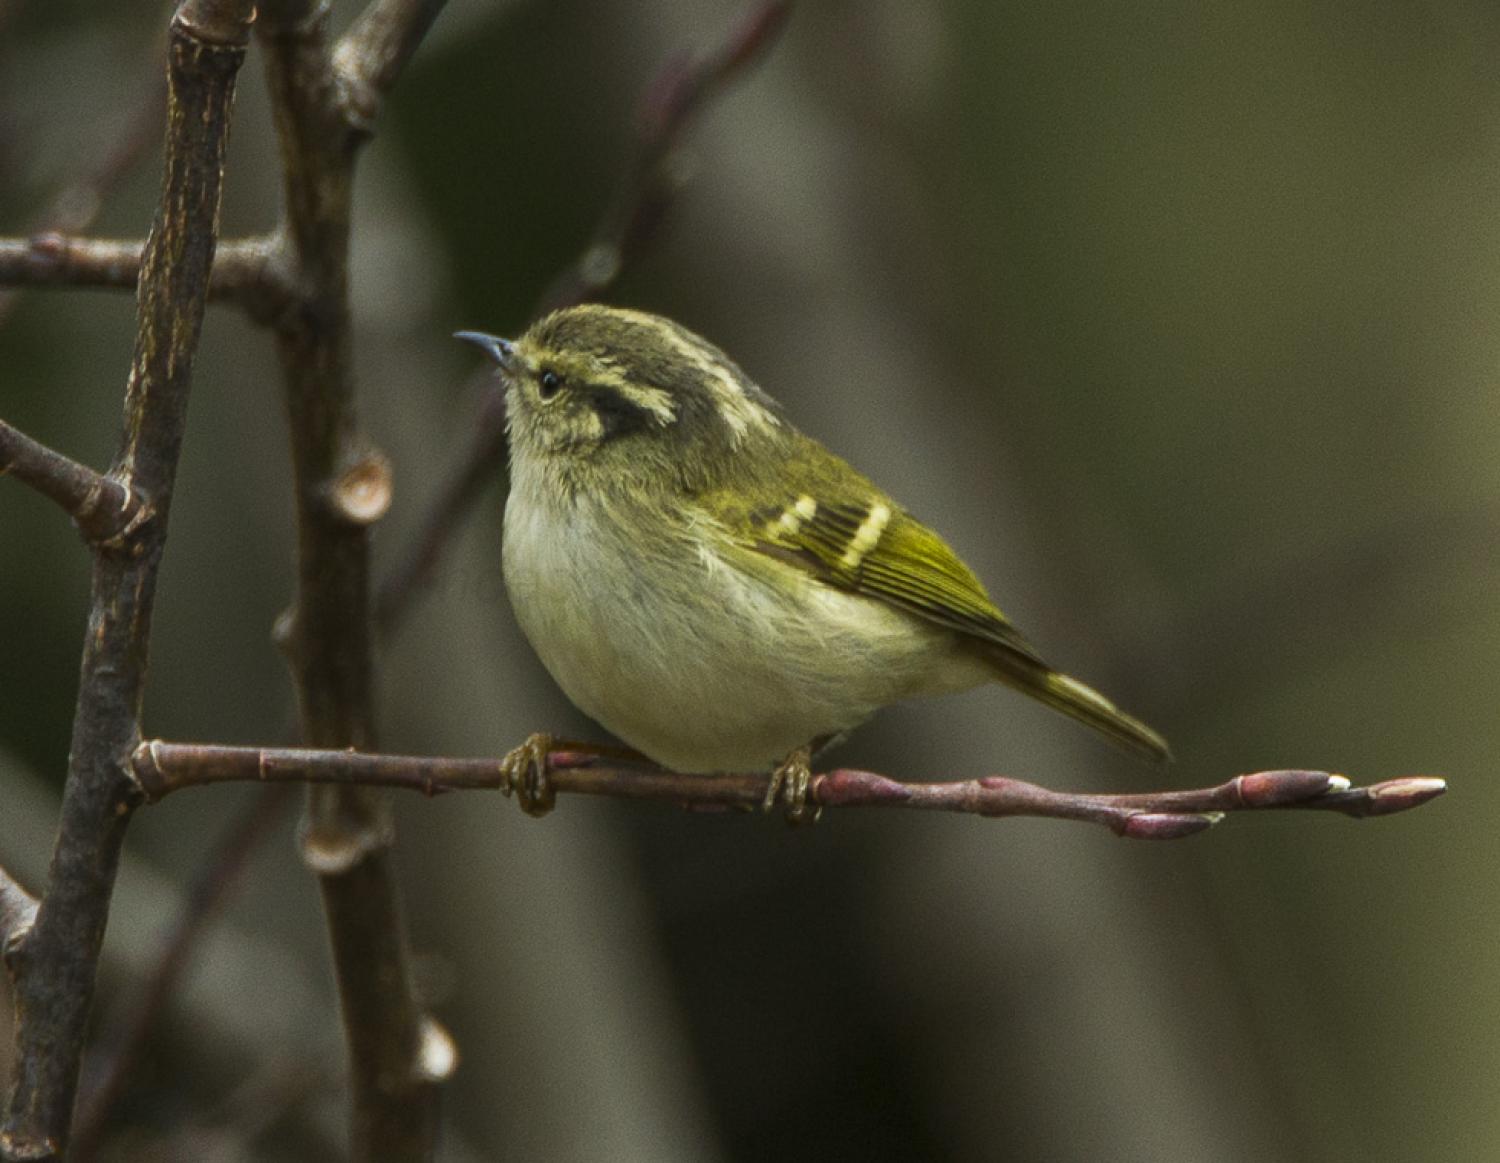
x: 361, y: 494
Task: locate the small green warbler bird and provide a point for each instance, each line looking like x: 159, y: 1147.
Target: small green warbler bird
x: 717, y: 589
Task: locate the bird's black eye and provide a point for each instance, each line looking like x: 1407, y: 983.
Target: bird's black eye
x: 548, y: 384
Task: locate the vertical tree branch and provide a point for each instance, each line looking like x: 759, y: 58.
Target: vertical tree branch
x: 55, y: 963
x: 396, y: 1053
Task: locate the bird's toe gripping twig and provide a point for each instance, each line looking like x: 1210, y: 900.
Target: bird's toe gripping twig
x: 789, y: 784
x: 524, y: 771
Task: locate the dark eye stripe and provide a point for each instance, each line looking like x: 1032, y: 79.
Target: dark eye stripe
x: 618, y: 415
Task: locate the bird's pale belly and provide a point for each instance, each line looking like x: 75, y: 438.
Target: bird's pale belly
x: 716, y: 669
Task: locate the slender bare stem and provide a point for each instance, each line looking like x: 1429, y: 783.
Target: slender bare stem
x: 163, y: 768
x: 244, y: 270
x: 342, y: 485
x: 683, y: 89
x: 123, y: 1040
x: 77, y: 205
x: 628, y: 227
x: 101, y: 507
x: 54, y: 964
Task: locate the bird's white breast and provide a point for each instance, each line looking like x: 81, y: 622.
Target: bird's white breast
x: 696, y: 661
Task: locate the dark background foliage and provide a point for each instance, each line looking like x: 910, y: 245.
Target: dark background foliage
x: 1176, y: 318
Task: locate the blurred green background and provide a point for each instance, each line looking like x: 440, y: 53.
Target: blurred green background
x: 1178, y: 320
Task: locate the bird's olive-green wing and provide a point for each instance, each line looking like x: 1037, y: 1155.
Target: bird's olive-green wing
x: 838, y: 527
x: 863, y: 542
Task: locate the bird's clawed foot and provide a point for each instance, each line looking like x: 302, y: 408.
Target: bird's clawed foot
x: 789, y: 784
x: 527, y: 770
x: 524, y: 771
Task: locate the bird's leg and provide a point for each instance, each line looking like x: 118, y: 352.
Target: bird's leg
x: 525, y: 769
x: 789, y: 784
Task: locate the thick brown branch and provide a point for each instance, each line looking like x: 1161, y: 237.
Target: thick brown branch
x: 371, y: 55
x: 162, y: 768
x: 244, y: 270
x: 101, y: 507
x: 54, y: 965
x: 341, y: 486
x: 627, y: 228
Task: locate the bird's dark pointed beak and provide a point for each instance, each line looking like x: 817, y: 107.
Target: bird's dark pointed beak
x: 502, y: 351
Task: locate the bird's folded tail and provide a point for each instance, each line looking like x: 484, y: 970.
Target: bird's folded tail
x: 1078, y: 701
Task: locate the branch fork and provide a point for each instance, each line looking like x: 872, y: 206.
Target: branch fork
x: 105, y: 510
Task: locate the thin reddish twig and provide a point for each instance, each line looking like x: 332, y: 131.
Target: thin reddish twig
x: 163, y: 767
